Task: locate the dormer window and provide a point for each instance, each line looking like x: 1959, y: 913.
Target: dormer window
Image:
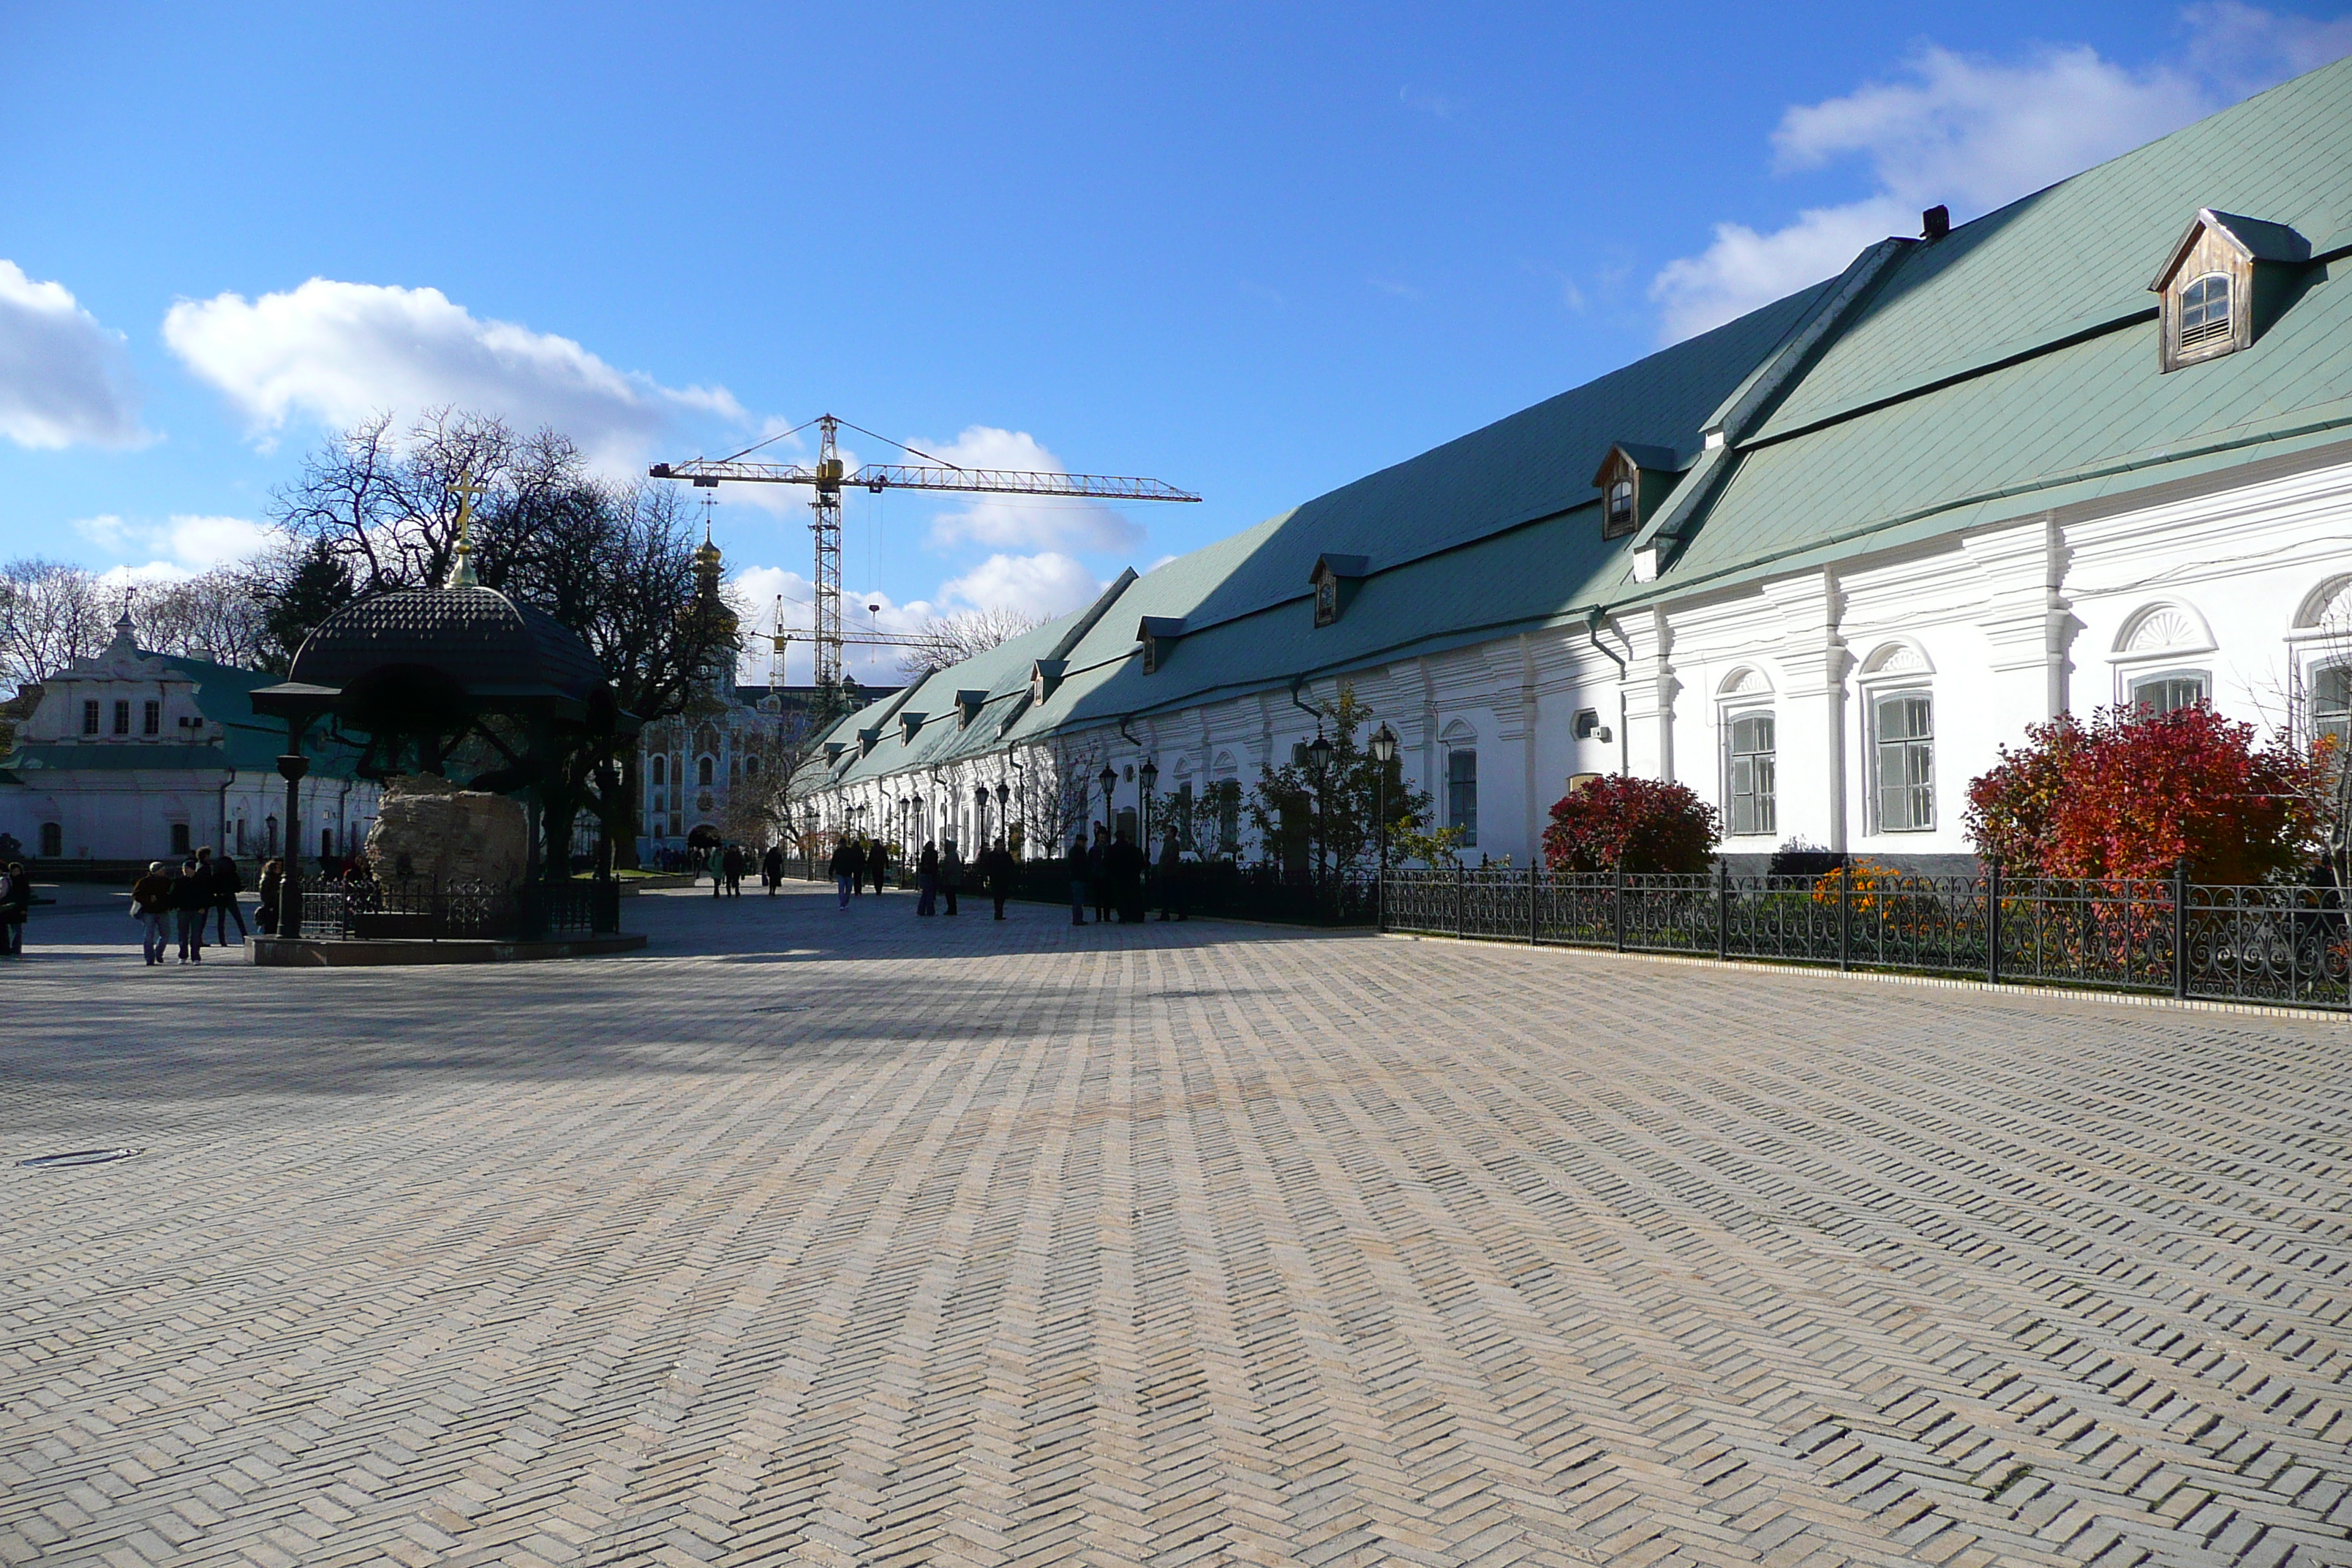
x: 2225, y: 282
x: 1634, y: 481
x: 1334, y: 581
x: 1159, y: 636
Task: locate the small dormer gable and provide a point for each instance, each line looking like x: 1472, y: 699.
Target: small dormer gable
x: 2223, y: 284
x: 1158, y: 635
x: 969, y: 703
x: 833, y: 751
x: 1335, y: 579
x: 1633, y: 481
x: 867, y: 740
x: 1045, y: 677
x: 910, y: 726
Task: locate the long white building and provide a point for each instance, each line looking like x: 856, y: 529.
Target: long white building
x: 1819, y: 563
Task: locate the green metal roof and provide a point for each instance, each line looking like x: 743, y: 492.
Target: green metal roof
x: 2005, y: 369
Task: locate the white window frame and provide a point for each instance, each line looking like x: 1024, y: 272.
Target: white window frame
x: 2134, y: 680
x: 1459, y: 744
x: 1873, y: 697
x: 1733, y: 715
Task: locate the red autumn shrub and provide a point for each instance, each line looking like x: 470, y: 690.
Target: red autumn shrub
x: 1644, y: 825
x: 2135, y: 791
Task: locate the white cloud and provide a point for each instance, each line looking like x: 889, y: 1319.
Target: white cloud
x: 185, y: 545
x: 1049, y: 584
x: 63, y: 379
x: 1018, y: 522
x: 1971, y: 134
x: 338, y: 352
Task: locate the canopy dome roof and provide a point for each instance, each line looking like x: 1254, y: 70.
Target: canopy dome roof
x: 477, y: 638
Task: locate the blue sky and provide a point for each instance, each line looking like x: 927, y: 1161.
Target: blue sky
x: 1256, y: 251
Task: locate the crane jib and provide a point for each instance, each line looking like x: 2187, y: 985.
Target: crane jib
x: 704, y: 473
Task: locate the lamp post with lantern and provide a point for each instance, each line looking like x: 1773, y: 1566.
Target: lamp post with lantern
x: 1003, y: 794
x: 1384, y: 750
x: 1318, y: 763
x: 1108, y: 779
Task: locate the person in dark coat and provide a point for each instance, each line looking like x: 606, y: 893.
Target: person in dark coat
x: 996, y: 872
x: 228, y: 883
x: 878, y: 862
x: 1098, y: 873
x: 845, y: 867
x: 926, y: 879
x: 202, y: 862
x: 1125, y: 865
x: 151, y: 905
x: 950, y: 873
x: 732, y: 864
x: 272, y: 884
x: 192, y: 900
x: 15, y: 902
x: 1171, y: 878
x: 1081, y: 867
x: 771, y: 868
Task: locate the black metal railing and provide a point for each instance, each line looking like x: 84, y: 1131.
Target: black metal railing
x: 424, y: 912
x: 2175, y: 937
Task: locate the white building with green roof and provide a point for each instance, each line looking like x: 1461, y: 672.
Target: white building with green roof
x: 2093, y: 448
x: 133, y: 756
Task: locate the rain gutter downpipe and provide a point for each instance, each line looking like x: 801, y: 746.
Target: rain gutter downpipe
x: 1592, y: 629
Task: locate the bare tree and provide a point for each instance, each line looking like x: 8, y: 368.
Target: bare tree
x: 951, y: 639
x: 51, y: 613
x: 386, y: 505
x: 219, y: 615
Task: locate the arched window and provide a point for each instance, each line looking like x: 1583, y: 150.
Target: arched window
x: 2331, y: 705
x: 2205, y: 310
x: 1905, y: 726
x: 1462, y: 781
x: 751, y: 767
x: 1754, y: 806
x: 661, y: 770
x: 53, y: 841
x: 703, y: 769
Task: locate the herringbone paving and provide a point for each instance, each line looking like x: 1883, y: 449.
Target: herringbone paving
x: 852, y: 1239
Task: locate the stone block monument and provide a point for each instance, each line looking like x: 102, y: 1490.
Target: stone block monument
x: 432, y: 833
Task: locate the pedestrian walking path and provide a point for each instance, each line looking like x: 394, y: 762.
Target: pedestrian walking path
x: 840, y: 1236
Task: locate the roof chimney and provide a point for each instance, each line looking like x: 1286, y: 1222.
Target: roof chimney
x: 1935, y: 222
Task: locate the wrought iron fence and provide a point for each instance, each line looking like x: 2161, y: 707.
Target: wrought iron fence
x: 2281, y: 945
x: 424, y: 912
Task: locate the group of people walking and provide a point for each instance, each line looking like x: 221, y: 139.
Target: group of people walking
x: 1116, y: 874
x: 728, y: 864
x: 940, y: 870
x: 856, y: 862
x: 203, y: 886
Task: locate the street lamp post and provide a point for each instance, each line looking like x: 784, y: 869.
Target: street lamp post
x: 980, y: 802
x: 1108, y: 779
x: 1384, y: 745
x: 1004, y: 792
x: 1318, y: 763
x: 1148, y: 775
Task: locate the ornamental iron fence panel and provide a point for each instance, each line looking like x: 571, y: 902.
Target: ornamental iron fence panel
x: 2290, y: 945
x: 423, y: 911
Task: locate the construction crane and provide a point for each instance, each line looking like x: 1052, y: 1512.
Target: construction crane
x: 827, y: 477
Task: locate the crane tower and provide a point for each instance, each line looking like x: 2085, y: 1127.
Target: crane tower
x: 827, y: 479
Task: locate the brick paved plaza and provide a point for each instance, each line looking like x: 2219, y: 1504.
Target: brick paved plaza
x: 857, y: 1239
